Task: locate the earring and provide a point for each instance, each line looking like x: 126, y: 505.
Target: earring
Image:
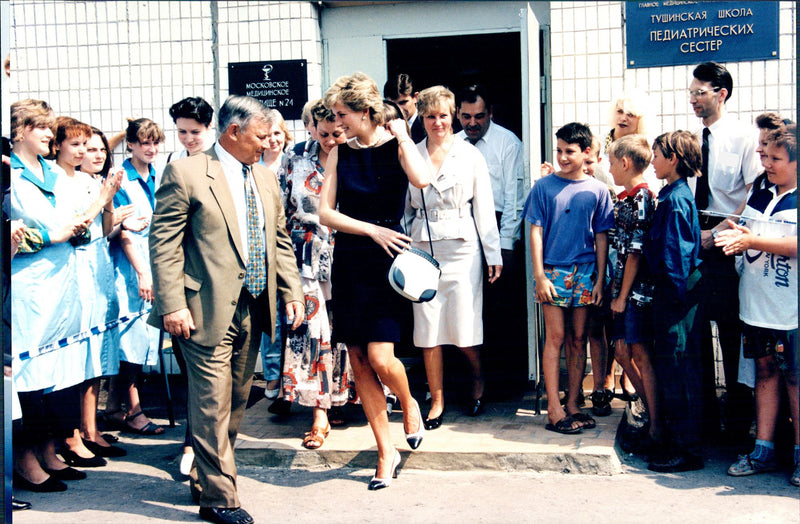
x: 363, y: 117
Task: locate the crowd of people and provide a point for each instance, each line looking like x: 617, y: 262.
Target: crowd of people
x: 249, y: 233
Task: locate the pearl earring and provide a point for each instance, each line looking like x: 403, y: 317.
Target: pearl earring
x: 363, y: 117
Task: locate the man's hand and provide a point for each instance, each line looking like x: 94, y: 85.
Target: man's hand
x: 706, y: 239
x: 179, y: 323
x: 296, y: 313
x: 494, y: 273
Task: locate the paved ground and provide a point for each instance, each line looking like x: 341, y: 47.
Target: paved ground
x: 498, y: 468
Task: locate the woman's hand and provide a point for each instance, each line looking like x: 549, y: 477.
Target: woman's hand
x: 399, y: 129
x: 123, y: 212
x: 389, y: 239
x: 145, y: 286
x: 110, y: 187
x: 135, y: 224
x: 17, y: 235
x: 494, y: 273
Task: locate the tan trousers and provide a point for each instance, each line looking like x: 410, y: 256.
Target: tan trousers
x: 219, y: 380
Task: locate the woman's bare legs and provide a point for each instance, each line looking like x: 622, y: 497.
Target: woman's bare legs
x: 474, y: 358
x: 434, y: 370
x: 90, y: 391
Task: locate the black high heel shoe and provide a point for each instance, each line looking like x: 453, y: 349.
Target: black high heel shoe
x: 66, y: 474
x: 104, y: 451
x: 433, y: 423
x: 375, y: 483
x: 51, y: 485
x: 73, y: 459
x: 415, y: 439
x: 477, y: 408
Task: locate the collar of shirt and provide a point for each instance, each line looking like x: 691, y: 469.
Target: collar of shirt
x: 47, y: 185
x: 719, y: 124
x: 624, y: 194
x: 232, y: 169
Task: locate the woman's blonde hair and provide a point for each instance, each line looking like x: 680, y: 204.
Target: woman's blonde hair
x: 274, y: 117
x: 30, y: 113
x: 435, y: 97
x: 358, y: 92
x: 638, y: 104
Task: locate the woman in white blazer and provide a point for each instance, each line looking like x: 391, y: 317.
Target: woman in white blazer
x: 460, y: 211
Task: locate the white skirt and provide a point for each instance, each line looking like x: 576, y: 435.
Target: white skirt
x: 455, y: 315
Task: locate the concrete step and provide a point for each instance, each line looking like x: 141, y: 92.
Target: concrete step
x: 508, y: 436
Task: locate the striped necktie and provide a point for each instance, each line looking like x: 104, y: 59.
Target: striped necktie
x: 256, y: 277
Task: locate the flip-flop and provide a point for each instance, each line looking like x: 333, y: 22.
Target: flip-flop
x: 586, y: 421
x: 564, y: 426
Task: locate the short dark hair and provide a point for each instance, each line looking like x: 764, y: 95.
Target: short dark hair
x: 686, y: 147
x: 576, y: 133
x: 716, y: 75
x: 769, y: 121
x: 785, y: 137
x: 398, y: 86
x: 470, y: 95
x: 193, y: 107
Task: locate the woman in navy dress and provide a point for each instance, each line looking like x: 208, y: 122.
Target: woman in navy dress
x: 363, y: 198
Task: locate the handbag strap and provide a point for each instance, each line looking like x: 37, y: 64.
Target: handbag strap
x: 427, y: 224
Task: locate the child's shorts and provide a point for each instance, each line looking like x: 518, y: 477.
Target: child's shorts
x: 635, y: 326
x: 760, y: 342
x: 573, y: 284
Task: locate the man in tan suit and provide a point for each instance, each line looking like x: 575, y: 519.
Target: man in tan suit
x: 219, y: 250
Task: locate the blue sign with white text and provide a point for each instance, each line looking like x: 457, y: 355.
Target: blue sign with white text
x: 675, y: 32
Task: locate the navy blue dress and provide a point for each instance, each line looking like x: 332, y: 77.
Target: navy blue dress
x: 371, y: 188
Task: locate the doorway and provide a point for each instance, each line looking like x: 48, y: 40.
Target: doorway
x: 490, y: 59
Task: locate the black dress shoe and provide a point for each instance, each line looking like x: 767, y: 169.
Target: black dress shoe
x: 476, y: 409
x: 19, y: 505
x: 226, y: 515
x: 66, y: 474
x: 104, y: 451
x: 676, y: 463
x: 433, y: 423
x: 280, y: 406
x: 72, y: 458
x: 51, y: 485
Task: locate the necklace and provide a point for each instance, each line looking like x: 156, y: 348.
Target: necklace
x: 373, y: 144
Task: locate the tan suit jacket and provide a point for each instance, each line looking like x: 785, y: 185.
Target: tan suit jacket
x: 196, y: 250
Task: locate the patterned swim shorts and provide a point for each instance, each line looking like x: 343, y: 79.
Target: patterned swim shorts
x: 573, y: 284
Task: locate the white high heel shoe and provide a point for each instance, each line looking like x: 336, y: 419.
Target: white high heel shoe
x: 415, y: 439
x: 375, y: 483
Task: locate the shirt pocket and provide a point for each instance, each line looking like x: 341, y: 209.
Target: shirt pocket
x: 729, y: 166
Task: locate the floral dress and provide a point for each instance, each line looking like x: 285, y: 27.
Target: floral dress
x: 314, y: 373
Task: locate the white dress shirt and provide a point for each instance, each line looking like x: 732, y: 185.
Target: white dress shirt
x: 733, y: 162
x: 233, y: 173
x: 502, y: 151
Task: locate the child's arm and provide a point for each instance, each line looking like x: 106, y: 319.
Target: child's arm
x: 628, y: 276
x: 545, y: 290
x: 601, y: 256
x: 738, y: 239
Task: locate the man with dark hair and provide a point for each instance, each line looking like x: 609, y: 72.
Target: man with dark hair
x: 730, y: 165
x: 504, y: 301
x: 220, y: 253
x: 400, y: 90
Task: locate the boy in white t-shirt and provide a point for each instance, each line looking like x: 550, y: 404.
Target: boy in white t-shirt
x: 767, y: 293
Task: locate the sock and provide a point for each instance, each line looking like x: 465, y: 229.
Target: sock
x: 796, y: 454
x: 764, y: 452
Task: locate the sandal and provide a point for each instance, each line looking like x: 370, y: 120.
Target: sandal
x: 113, y: 423
x: 564, y: 426
x: 151, y: 428
x: 585, y: 420
x: 316, y: 437
x: 749, y: 466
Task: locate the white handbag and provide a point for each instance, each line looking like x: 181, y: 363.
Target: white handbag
x: 414, y: 273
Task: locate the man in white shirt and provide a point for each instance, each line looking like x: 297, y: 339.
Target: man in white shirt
x: 730, y: 164
x: 504, y: 301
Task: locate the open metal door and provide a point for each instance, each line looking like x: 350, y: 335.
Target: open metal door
x: 532, y: 114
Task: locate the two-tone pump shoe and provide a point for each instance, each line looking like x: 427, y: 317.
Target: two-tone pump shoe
x: 376, y: 483
x: 415, y: 439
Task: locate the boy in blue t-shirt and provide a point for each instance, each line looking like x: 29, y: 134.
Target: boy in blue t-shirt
x: 570, y: 213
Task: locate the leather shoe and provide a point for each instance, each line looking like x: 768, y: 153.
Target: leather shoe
x: 73, y: 459
x: 676, y: 464
x: 51, y: 485
x: 104, y: 451
x: 19, y: 505
x: 66, y: 474
x: 476, y: 409
x: 226, y: 515
x: 433, y: 423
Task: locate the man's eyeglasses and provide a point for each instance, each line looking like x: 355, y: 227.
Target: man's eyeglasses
x: 697, y: 93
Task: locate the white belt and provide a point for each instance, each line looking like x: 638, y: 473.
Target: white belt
x: 436, y: 215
